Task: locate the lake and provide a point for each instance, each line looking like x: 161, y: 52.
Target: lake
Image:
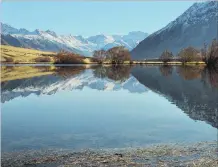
x: 79, y: 107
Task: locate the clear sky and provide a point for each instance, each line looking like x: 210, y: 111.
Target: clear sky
x: 91, y: 18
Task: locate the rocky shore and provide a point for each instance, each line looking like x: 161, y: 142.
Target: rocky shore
x: 201, y: 154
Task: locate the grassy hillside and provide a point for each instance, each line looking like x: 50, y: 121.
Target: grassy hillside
x: 22, y: 55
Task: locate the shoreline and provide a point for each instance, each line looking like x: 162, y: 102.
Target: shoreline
x: 134, y: 63
x: 203, y: 154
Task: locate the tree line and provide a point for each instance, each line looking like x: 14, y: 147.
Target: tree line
x: 121, y: 55
x: 115, y: 55
x: 209, y: 55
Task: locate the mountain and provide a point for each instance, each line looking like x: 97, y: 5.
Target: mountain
x: 51, y: 84
x: 196, y: 26
x: 50, y: 41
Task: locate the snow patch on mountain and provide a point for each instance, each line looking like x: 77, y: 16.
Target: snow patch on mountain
x: 196, y: 13
x: 196, y: 26
x: 84, y: 45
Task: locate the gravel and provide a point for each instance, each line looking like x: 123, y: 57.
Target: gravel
x: 200, y: 154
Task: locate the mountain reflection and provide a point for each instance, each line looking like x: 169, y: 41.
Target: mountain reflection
x: 192, y: 88
x: 59, y: 78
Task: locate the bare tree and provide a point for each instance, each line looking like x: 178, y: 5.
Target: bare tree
x: 99, y: 56
x: 189, y: 54
x: 166, y: 56
x: 65, y: 57
x: 211, y: 56
x: 118, y: 55
x: 204, y: 51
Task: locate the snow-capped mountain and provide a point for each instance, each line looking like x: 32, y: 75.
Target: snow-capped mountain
x: 50, y: 41
x: 196, y: 26
x: 51, y: 84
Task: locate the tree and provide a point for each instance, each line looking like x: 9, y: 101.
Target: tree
x: 117, y: 55
x: 204, y: 51
x: 99, y: 56
x: 65, y: 57
x: 211, y: 56
x: 189, y: 54
x: 166, y: 56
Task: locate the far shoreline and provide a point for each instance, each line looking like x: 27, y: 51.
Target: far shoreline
x: 128, y: 63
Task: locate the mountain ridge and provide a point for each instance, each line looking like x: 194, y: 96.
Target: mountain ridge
x: 50, y: 41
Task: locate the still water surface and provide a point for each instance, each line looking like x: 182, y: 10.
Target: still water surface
x: 83, y: 107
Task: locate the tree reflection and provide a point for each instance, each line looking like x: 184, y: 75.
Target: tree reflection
x: 100, y: 72
x: 69, y: 71
x: 117, y: 72
x: 210, y: 76
x: 44, y: 68
x: 187, y: 91
x: 166, y: 70
x: 190, y: 72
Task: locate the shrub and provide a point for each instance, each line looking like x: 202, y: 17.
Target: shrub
x: 189, y: 54
x: 64, y: 57
x: 166, y: 56
x: 9, y: 59
x: 99, y: 56
x: 210, y: 57
x: 117, y: 55
x: 43, y: 59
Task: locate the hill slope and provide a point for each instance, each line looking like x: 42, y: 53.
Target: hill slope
x: 21, y: 55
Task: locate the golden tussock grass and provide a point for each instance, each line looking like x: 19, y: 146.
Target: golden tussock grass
x: 23, y: 55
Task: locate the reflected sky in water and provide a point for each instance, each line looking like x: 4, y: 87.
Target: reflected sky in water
x: 102, y: 108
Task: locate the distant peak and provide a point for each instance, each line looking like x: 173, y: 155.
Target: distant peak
x: 136, y: 33
x: 51, y: 33
x: 37, y: 30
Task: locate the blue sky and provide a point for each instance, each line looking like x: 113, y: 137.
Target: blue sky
x: 93, y: 17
